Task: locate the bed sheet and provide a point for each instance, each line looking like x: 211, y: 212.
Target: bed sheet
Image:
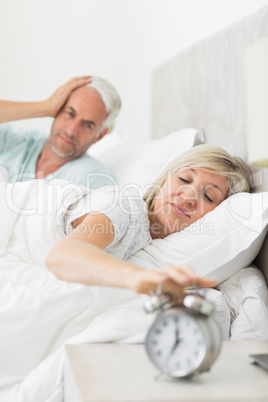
x: 247, y: 298
x: 39, y: 314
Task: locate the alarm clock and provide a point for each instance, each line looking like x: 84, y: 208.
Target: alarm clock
x: 184, y: 339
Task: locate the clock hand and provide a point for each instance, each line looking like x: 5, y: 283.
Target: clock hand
x: 177, y: 342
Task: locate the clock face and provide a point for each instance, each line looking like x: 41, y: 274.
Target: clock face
x: 176, y: 344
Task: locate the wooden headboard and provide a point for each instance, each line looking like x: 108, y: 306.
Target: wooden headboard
x: 206, y: 87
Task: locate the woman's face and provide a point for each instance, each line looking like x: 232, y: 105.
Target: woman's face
x: 186, y: 196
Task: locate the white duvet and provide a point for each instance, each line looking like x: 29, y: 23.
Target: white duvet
x: 39, y: 313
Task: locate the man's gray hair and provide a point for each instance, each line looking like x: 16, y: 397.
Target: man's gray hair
x: 109, y: 96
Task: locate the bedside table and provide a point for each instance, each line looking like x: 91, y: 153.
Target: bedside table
x: 123, y: 373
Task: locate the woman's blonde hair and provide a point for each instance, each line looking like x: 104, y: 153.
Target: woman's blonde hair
x: 206, y: 157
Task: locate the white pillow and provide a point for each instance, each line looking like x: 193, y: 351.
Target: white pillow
x: 140, y: 162
x: 217, y: 245
x: 112, y: 139
x: 247, y: 297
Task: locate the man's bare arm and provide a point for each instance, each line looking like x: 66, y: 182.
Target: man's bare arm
x: 11, y: 111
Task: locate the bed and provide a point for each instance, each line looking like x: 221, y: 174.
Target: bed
x: 41, y: 314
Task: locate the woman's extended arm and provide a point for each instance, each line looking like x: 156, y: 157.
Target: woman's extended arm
x: 10, y: 111
x: 80, y: 257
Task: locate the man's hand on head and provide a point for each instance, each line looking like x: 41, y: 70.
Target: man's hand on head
x: 55, y: 102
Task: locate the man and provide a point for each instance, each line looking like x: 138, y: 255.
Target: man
x: 83, y: 109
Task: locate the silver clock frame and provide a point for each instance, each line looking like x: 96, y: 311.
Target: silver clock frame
x: 200, y: 311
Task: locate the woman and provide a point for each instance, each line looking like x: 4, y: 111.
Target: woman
x: 118, y: 222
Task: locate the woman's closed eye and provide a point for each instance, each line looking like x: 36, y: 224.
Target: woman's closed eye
x: 208, y: 198
x: 206, y: 193
x: 184, y: 180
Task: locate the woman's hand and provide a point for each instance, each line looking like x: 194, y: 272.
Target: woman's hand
x: 55, y: 102
x: 173, y: 279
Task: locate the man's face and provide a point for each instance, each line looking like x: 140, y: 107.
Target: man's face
x: 78, y: 125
